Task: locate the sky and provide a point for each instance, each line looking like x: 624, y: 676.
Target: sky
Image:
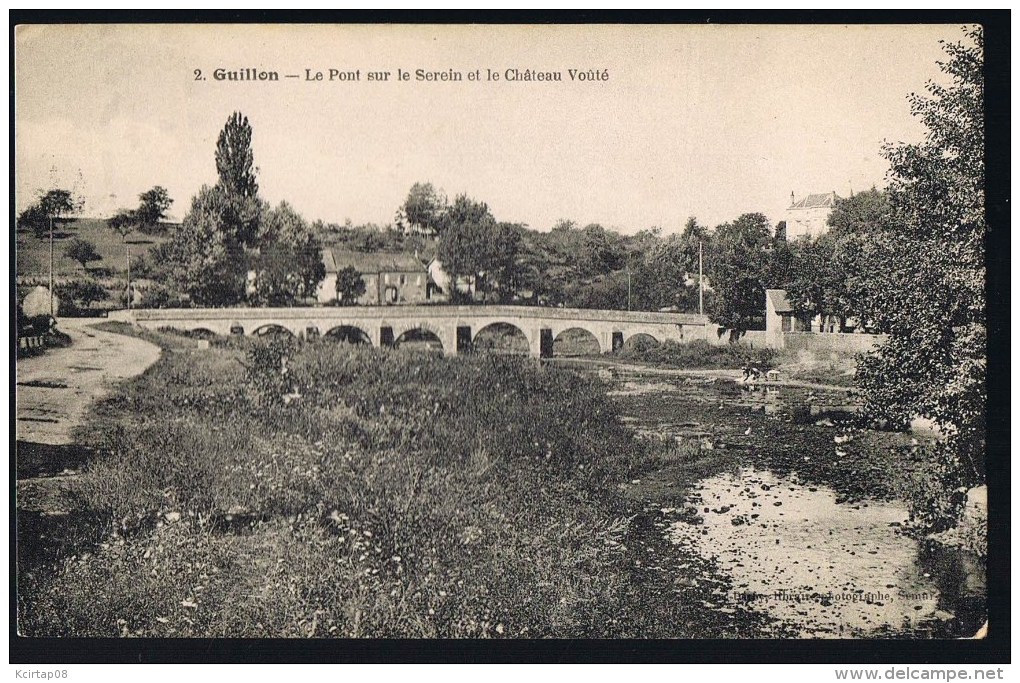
x: 699, y: 120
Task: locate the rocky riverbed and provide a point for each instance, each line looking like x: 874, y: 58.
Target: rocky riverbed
x: 794, y: 511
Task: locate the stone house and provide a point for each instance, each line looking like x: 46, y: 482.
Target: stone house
x: 808, y: 216
x: 390, y: 277
x: 442, y: 282
x: 780, y: 317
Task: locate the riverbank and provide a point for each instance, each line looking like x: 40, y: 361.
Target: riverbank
x: 251, y: 488
x: 801, y: 507
x: 728, y: 374
x: 365, y: 493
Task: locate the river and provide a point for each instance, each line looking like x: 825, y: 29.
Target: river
x: 792, y: 513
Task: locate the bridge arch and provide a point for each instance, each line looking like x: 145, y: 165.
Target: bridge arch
x: 201, y: 333
x: 419, y: 338
x: 348, y: 334
x: 576, y: 341
x: 640, y: 341
x: 271, y: 329
x: 502, y: 338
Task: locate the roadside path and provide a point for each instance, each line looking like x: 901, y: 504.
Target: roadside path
x: 55, y: 389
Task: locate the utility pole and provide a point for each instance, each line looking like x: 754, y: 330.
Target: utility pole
x: 628, y: 289
x: 51, y: 267
x: 127, y: 252
x: 701, y: 283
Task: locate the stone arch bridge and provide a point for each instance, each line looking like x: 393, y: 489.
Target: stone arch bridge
x: 456, y: 327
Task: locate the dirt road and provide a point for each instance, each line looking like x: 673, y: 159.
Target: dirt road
x: 55, y: 389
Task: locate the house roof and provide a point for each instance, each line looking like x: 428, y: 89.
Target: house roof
x: 816, y: 201
x: 780, y: 302
x: 371, y: 262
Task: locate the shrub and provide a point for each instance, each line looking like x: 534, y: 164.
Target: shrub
x: 156, y: 295
x: 79, y: 295
x: 936, y: 491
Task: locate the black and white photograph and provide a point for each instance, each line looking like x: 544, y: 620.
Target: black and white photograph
x: 509, y: 332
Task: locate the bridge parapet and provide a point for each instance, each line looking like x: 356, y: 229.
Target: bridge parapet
x: 434, y: 311
x: 383, y: 324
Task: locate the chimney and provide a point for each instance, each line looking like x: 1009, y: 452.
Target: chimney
x: 792, y: 200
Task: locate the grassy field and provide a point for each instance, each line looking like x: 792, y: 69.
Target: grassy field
x: 262, y: 489
x: 33, y: 253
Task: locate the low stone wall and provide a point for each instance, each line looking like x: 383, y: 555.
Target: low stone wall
x: 720, y: 336
x: 830, y: 342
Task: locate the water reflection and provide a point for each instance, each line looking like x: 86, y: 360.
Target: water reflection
x: 808, y: 526
x: 792, y: 551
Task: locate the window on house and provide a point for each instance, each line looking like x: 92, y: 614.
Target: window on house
x: 401, y: 280
x: 787, y: 323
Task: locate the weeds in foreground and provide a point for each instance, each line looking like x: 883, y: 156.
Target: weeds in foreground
x: 284, y: 490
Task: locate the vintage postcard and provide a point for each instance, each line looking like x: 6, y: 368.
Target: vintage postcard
x: 500, y: 332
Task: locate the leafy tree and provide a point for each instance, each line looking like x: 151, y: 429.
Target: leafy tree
x: 34, y: 218
x: 661, y: 279
x: 349, y: 285
x: 466, y: 248
x: 423, y: 209
x: 83, y: 251
x: 204, y: 258
x: 124, y: 223
x: 934, y: 361
x: 504, y: 250
x: 608, y: 292
x: 288, y: 265
x: 54, y: 204
x: 740, y: 269
x: 235, y: 165
x: 600, y: 251
x: 836, y: 273
x: 152, y: 209
x: 60, y: 203
x: 208, y: 254
x: 235, y: 161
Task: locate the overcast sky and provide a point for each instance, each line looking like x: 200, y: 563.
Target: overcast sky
x: 710, y: 121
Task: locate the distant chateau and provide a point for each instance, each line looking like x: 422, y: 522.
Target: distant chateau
x: 808, y: 216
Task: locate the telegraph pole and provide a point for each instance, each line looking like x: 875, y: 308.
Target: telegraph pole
x: 51, y: 267
x: 127, y: 253
x: 701, y: 284
x: 628, y: 289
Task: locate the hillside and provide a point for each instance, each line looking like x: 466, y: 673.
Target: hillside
x: 32, y: 254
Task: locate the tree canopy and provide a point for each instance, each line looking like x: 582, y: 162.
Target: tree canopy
x: 235, y: 161
x: 349, y: 285
x: 933, y: 272
x: 56, y: 205
x: 741, y: 268
x: 231, y: 246
x: 152, y: 208
x: 288, y: 265
x: 83, y: 251
x: 466, y: 248
x: 424, y: 208
x: 204, y: 258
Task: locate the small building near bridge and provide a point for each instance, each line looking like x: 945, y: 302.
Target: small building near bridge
x: 390, y: 277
